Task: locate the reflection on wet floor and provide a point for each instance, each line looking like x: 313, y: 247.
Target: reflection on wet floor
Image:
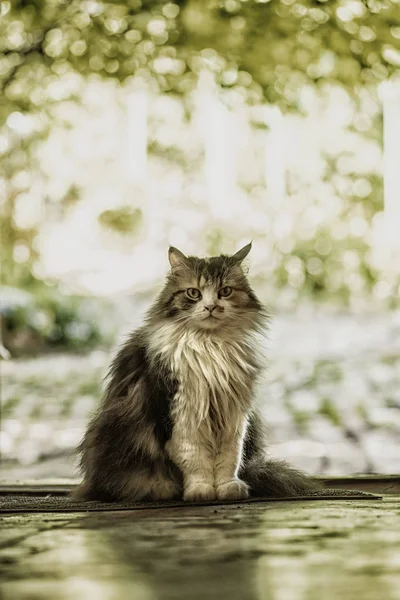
x: 296, y: 551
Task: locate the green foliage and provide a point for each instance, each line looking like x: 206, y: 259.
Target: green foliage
x: 329, y: 410
x: 51, y: 321
x: 264, y: 51
x: 270, y: 47
x: 122, y: 220
x: 301, y: 419
x: 327, y: 371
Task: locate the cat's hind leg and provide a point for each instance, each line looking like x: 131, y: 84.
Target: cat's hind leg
x: 150, y: 485
x: 133, y: 485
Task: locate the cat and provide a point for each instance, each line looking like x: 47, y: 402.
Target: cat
x: 179, y: 416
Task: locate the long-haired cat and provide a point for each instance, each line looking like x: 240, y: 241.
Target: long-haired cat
x: 179, y: 416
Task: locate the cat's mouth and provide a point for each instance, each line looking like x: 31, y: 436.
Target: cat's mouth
x: 210, y: 320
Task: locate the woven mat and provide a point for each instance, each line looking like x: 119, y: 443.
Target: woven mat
x: 60, y: 504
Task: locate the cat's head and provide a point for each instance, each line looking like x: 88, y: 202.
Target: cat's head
x: 209, y: 294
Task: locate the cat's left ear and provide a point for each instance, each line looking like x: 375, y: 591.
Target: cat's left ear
x: 242, y: 253
x: 176, y: 257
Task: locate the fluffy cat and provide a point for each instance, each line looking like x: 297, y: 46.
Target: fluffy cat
x: 179, y: 418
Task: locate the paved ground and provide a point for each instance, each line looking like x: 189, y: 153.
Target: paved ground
x: 331, y: 398
x: 278, y: 551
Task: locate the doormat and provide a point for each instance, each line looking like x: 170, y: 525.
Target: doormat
x: 19, y: 503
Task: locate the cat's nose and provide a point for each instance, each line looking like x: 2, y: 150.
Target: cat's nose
x: 210, y: 307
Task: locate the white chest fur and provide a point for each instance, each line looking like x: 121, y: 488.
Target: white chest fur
x: 215, y: 375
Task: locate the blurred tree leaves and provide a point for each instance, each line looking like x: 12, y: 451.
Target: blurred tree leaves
x: 264, y: 49
x: 122, y: 220
x: 33, y: 323
x: 270, y: 46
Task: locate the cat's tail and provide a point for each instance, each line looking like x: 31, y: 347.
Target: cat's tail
x: 276, y: 479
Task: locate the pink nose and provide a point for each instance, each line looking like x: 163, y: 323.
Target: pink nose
x: 210, y: 307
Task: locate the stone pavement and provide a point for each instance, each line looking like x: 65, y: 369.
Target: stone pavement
x: 331, y: 398
x: 278, y: 551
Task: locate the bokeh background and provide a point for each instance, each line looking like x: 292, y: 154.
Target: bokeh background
x: 129, y: 126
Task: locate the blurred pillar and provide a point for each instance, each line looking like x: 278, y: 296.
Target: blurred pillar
x: 136, y: 136
x: 143, y: 193
x: 389, y: 92
x: 275, y: 166
x: 218, y: 129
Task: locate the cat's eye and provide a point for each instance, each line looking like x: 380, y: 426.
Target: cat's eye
x: 193, y: 293
x: 225, y: 291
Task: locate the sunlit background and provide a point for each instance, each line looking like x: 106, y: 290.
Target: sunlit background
x: 129, y: 126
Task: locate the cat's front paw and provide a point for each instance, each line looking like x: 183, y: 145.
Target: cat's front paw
x: 199, y: 492
x: 233, y: 490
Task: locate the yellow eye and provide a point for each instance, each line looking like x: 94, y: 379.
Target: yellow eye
x: 225, y: 292
x: 193, y: 293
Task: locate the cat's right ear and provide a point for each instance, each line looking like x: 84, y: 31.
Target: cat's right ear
x: 176, y: 257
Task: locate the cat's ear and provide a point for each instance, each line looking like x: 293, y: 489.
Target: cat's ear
x: 242, y: 253
x: 176, y: 257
